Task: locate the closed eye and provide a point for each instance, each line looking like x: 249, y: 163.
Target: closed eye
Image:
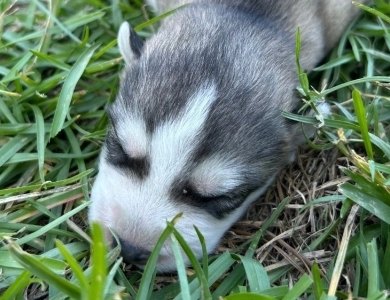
x: 191, y: 192
x: 218, y: 206
x: 118, y: 157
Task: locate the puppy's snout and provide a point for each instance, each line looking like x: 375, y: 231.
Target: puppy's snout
x: 133, y: 254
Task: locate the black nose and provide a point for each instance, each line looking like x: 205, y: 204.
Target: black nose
x: 133, y: 254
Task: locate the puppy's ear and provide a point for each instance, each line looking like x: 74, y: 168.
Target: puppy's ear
x: 129, y: 43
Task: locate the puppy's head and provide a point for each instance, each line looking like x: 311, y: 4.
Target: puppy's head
x: 196, y: 129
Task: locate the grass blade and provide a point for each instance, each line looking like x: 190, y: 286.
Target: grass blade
x: 373, y: 269
x: 317, y: 282
x: 17, y: 286
x: 299, y: 288
x: 99, y: 263
x: 206, y: 294
x: 342, y: 252
x: 39, y: 269
x: 247, y: 296
x: 74, y: 265
x: 150, y: 268
x: 365, y: 200
x: 51, y: 225
x: 362, y: 120
x: 40, y: 122
x: 256, y: 275
x: 181, y: 270
x: 13, y: 146
x: 68, y: 89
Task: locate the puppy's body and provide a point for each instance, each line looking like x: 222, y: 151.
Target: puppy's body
x: 321, y: 22
x: 197, y: 125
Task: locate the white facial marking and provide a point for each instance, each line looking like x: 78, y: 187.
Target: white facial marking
x: 133, y: 136
x: 173, y: 141
x: 217, y: 175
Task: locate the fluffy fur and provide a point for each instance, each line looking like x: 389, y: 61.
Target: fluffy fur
x: 197, y: 126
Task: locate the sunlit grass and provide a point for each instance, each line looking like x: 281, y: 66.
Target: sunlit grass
x: 59, y: 68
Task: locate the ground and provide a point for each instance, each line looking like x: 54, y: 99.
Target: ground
x: 321, y: 231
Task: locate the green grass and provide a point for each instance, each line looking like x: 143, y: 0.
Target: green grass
x: 59, y: 68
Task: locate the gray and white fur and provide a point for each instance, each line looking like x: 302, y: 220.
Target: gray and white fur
x: 197, y: 126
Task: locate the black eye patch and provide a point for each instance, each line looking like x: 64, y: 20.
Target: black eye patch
x: 118, y: 157
x: 217, y: 206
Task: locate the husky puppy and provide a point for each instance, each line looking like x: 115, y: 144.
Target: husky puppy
x: 197, y: 126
